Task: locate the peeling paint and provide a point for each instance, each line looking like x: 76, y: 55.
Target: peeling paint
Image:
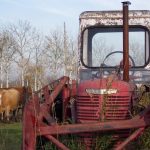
x: 105, y: 18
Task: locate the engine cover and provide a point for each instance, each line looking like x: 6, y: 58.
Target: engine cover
x: 101, y: 100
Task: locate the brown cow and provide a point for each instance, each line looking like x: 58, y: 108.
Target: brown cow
x: 9, y: 101
x: 25, y: 93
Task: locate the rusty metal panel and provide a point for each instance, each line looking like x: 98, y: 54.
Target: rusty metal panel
x: 105, y: 18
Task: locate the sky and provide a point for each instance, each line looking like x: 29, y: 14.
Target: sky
x: 47, y: 15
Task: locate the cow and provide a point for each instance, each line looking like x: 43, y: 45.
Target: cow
x: 10, y: 101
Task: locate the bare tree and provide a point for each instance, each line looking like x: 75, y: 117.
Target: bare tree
x: 70, y: 54
x: 34, y: 80
x: 2, y: 45
x: 137, y: 52
x: 54, y: 53
x: 72, y: 58
x: 24, y: 35
x: 35, y: 57
x: 38, y: 44
x: 61, y: 52
x: 99, y: 50
x: 7, y: 50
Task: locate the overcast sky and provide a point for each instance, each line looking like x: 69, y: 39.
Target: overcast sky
x: 50, y: 14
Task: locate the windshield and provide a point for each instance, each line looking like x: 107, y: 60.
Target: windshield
x: 104, y: 47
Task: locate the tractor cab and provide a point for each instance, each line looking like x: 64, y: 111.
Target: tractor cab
x: 101, y: 45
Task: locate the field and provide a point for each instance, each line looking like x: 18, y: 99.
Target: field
x: 10, y: 136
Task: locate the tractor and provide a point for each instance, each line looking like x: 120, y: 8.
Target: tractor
x: 113, y: 75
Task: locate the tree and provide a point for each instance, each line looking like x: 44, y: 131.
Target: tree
x: 137, y: 52
x: 72, y: 59
x: 70, y: 55
x: 7, y: 50
x: 38, y: 66
x: 24, y: 35
x: 34, y: 80
x: 99, y: 50
x: 61, y: 54
x: 54, y: 53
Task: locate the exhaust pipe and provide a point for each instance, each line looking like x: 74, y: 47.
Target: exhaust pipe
x: 125, y: 41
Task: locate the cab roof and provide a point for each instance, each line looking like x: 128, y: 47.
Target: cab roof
x: 108, y: 18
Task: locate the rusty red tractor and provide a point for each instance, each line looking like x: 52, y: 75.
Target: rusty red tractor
x: 114, y: 61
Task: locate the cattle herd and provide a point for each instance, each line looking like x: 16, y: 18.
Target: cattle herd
x: 11, y: 103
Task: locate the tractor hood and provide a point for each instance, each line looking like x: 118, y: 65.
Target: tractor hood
x: 104, y: 87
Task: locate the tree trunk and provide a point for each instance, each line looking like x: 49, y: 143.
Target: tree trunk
x: 35, y: 81
x: 1, y: 75
x: 22, y: 77
x: 7, y: 79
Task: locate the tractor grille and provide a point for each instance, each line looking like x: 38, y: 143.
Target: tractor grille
x: 87, y: 108
x: 97, y: 108
x: 114, y: 108
x: 117, y: 107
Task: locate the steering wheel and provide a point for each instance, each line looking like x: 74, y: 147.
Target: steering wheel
x: 133, y: 63
x: 104, y: 65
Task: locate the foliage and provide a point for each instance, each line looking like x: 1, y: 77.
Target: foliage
x: 142, y: 142
x: 73, y: 142
x: 103, y: 142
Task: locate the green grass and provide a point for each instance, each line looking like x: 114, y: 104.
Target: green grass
x: 10, y: 136
x: 73, y: 142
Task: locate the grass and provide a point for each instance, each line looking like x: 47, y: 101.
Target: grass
x: 73, y: 142
x: 10, y: 136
